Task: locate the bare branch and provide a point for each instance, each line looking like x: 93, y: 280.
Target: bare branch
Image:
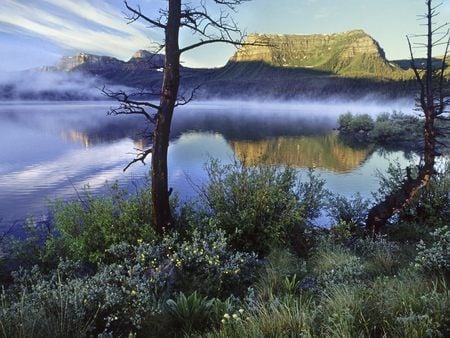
x: 183, y: 100
x: 140, y: 157
x: 416, y: 73
x: 137, y: 14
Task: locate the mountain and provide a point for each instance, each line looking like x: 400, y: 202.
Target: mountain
x: 351, y: 54
x: 350, y: 64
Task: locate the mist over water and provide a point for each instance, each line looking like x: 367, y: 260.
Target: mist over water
x: 51, y: 150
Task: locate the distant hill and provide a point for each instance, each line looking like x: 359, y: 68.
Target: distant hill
x: 349, y: 54
x: 351, y: 63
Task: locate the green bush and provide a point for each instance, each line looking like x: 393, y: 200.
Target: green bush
x: 280, y: 274
x: 191, y: 314
x: 42, y: 306
x: 349, y: 123
x: 345, y: 122
x: 407, y: 305
x: 205, y: 262
x: 258, y: 206
x: 335, y: 264
x: 435, y: 257
x: 87, y: 227
x: 382, y: 256
x: 396, y: 127
x: 430, y: 208
x: 352, y: 211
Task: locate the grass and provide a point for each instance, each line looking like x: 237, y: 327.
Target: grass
x: 202, y: 281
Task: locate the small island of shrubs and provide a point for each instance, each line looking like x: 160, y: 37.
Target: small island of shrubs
x: 387, y: 129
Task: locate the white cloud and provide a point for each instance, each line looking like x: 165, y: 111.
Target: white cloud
x: 76, y: 25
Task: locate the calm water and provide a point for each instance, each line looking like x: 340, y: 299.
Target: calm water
x: 51, y: 150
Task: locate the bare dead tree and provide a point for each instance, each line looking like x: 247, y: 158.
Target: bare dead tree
x: 210, y: 23
x: 433, y: 101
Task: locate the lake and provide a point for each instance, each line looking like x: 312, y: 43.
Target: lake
x: 52, y: 150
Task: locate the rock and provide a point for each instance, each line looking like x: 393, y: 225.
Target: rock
x: 353, y: 52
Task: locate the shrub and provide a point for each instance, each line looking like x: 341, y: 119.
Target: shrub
x: 190, y: 314
x: 435, y: 257
x: 280, y: 274
x: 341, y: 312
x: 40, y: 306
x: 335, y: 264
x: 429, y: 208
x: 205, y: 261
x: 396, y: 127
x: 87, y: 227
x: 362, y: 122
x: 345, y: 122
x: 349, y: 123
x: 352, y: 211
x: 407, y: 305
x: 257, y: 206
x: 382, y: 255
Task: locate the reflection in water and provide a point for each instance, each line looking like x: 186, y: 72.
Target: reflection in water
x: 324, y: 152
x: 48, y: 150
x: 77, y: 137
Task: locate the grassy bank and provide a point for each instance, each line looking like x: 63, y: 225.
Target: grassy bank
x: 244, y: 260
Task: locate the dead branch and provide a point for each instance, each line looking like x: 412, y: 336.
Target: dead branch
x: 140, y: 157
x: 137, y: 14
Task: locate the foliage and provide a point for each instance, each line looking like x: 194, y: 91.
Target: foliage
x: 407, y: 304
x: 124, y: 293
x: 396, y: 127
x: 387, y: 129
x: 382, y: 256
x: 257, y: 206
x: 205, y: 261
x: 336, y: 264
x: 349, y: 123
x: 86, y: 227
x: 430, y: 208
x: 352, y: 211
x: 280, y: 274
x: 192, y: 313
x: 435, y: 257
x: 39, y: 306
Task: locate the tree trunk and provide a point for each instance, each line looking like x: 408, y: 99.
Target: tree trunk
x: 162, y: 216
x: 396, y: 201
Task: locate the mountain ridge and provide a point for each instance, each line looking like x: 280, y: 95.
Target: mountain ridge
x: 279, y: 65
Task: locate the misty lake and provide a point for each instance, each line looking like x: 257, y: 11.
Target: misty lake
x: 52, y: 150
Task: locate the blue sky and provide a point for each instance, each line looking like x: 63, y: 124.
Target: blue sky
x: 38, y: 32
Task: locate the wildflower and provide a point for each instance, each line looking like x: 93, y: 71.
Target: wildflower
x: 133, y: 292
x: 241, y: 311
x: 223, y: 321
x: 139, y: 241
x: 226, y: 316
x: 235, y: 316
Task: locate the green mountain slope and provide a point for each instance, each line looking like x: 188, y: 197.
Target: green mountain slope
x: 349, y: 54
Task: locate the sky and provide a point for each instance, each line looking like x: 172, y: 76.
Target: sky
x: 34, y: 33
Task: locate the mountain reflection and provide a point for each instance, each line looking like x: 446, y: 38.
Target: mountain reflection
x: 325, y: 152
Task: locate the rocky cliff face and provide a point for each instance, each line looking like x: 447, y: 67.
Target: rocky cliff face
x: 87, y: 62
x: 349, y: 53
x: 145, y: 58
